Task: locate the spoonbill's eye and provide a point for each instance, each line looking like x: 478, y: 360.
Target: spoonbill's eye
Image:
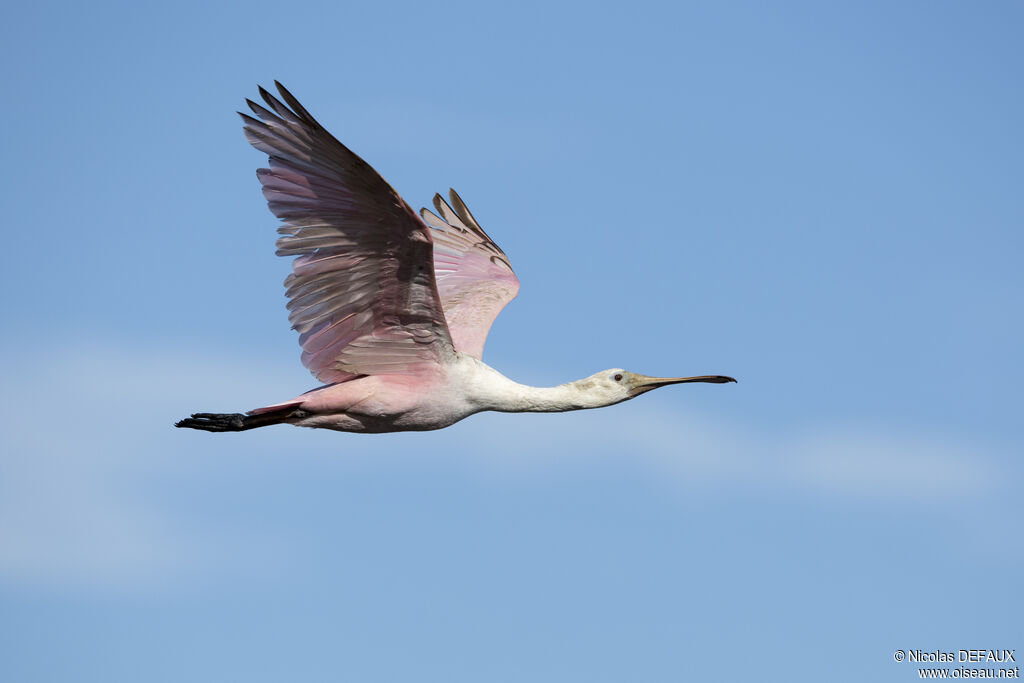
x: 617, y: 377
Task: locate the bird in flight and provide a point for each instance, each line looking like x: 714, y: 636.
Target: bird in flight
x: 392, y: 307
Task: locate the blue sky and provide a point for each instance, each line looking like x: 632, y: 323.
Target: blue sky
x: 822, y: 200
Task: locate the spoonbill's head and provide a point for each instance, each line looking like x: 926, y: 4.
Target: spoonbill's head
x: 617, y: 385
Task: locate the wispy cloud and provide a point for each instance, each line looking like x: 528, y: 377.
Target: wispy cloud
x: 85, y: 441
x: 854, y: 461
x: 87, y: 446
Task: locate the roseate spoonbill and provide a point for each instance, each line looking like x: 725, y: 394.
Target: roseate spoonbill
x: 392, y: 308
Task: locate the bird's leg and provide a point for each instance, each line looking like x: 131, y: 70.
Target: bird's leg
x: 239, y: 422
x: 215, y: 422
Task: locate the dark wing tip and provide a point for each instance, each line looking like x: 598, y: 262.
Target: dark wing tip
x: 250, y: 122
x: 438, y: 201
x: 293, y: 102
x: 253, y: 107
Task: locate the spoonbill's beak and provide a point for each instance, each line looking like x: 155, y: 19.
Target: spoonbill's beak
x: 643, y: 383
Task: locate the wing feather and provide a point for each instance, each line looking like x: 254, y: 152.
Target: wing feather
x: 474, y: 277
x: 362, y: 293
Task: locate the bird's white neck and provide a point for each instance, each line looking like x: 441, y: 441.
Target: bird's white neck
x: 488, y: 389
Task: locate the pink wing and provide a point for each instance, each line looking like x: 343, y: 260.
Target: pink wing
x: 362, y: 292
x: 474, y: 277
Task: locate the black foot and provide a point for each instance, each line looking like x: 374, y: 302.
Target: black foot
x: 215, y: 422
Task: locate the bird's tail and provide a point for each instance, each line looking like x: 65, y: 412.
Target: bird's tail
x: 239, y: 422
